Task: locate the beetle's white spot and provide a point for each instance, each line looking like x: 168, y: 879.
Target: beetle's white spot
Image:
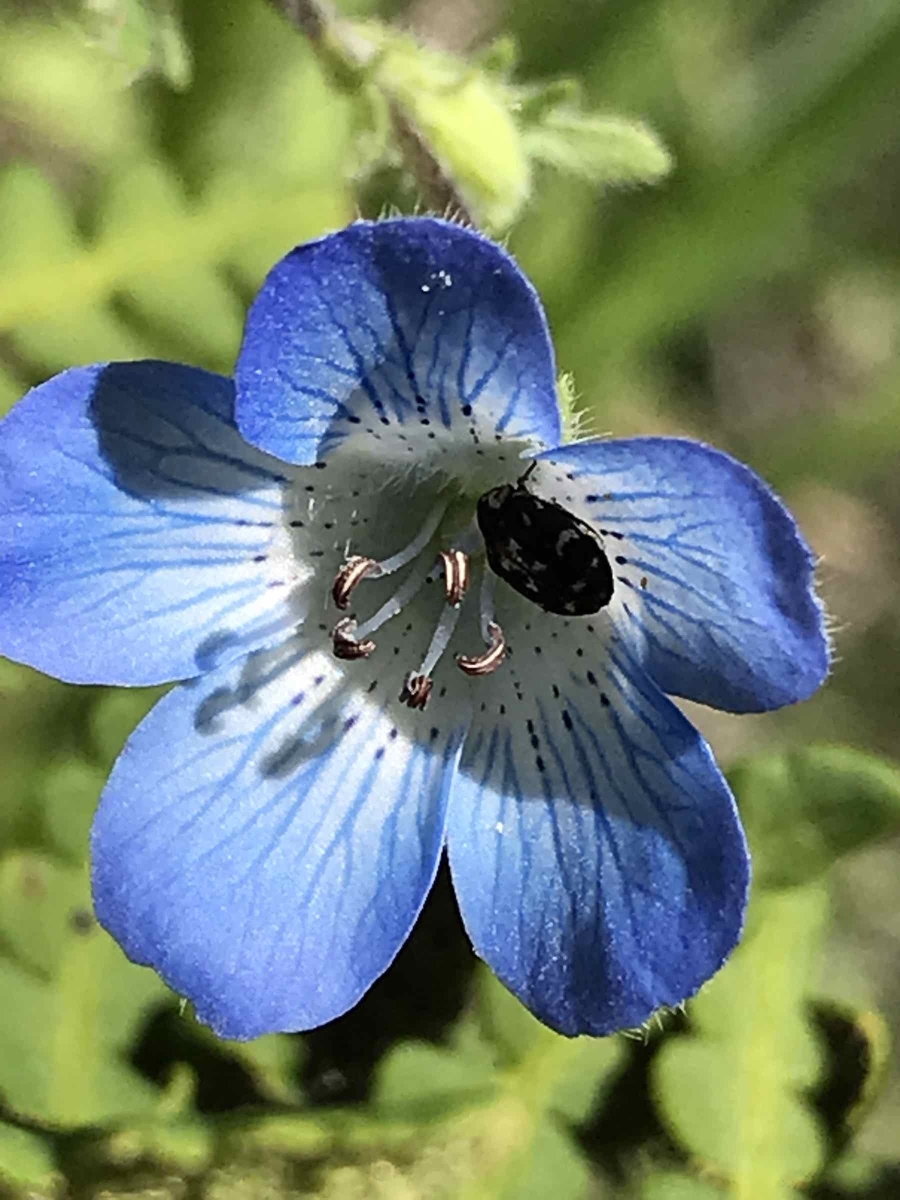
x: 499, y: 827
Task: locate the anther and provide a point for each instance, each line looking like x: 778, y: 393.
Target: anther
x: 487, y: 663
x: 344, y: 643
x: 352, y: 573
x: 456, y: 575
x: 416, y: 690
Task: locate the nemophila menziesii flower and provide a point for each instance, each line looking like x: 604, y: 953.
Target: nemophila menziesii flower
x: 405, y: 617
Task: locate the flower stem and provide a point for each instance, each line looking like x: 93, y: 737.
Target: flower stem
x: 343, y: 55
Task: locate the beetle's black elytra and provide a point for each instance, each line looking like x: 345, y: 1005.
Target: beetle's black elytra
x: 547, y: 554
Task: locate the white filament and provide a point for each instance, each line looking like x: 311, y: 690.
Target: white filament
x: 486, y: 599
x: 440, y: 639
x: 396, y: 604
x: 389, y: 565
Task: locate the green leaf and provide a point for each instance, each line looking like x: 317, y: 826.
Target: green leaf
x: 26, y: 1159
x: 732, y: 1092
x: 505, y: 1022
x: 674, y: 1185
x: 463, y: 114
x: 57, y: 85
x: 273, y: 1061
x: 138, y: 37
x: 185, y: 1146
x: 586, y: 1078
x: 67, y: 791
x: 805, y: 808
x: 56, y: 293
x: 581, y: 1069
x: 422, y: 1082
x: 604, y: 150
x: 553, y: 1167
x: 10, y: 391
x: 37, y: 233
x: 114, y: 716
x: 38, y: 900
x: 191, y: 313
x: 64, y: 1039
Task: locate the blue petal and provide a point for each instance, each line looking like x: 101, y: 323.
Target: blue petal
x: 713, y: 577
x: 267, y: 838
x: 596, y: 852
x: 134, y: 516
x: 386, y: 327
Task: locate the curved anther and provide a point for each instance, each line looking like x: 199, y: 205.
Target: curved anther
x: 416, y: 690
x: 456, y: 575
x: 352, y: 573
x: 487, y: 663
x: 344, y: 644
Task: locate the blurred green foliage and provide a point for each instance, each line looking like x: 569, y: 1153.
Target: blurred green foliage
x: 155, y: 160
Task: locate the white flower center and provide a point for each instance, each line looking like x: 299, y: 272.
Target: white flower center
x: 351, y: 640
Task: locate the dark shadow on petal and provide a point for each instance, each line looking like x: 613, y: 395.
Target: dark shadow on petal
x: 168, y: 430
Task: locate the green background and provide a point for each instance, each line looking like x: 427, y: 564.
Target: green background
x: 155, y: 161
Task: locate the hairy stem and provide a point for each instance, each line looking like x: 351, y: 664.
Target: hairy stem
x: 317, y: 21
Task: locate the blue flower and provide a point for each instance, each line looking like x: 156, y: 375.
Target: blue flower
x: 298, y: 547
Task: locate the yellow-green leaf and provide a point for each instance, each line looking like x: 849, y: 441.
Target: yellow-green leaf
x: 733, y: 1091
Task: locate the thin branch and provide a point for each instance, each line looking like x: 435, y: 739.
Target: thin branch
x: 317, y: 21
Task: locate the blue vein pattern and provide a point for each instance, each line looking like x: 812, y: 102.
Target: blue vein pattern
x: 595, y: 848
x: 268, y: 838
x: 141, y: 530
x: 714, y: 581
x: 418, y: 334
x: 269, y: 834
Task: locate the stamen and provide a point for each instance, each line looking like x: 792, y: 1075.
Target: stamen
x: 486, y: 600
x: 487, y: 663
x: 389, y: 565
x: 353, y: 572
x: 346, y: 643
x: 440, y: 639
x: 456, y: 575
x: 416, y: 690
x: 418, y: 684
x: 397, y: 602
